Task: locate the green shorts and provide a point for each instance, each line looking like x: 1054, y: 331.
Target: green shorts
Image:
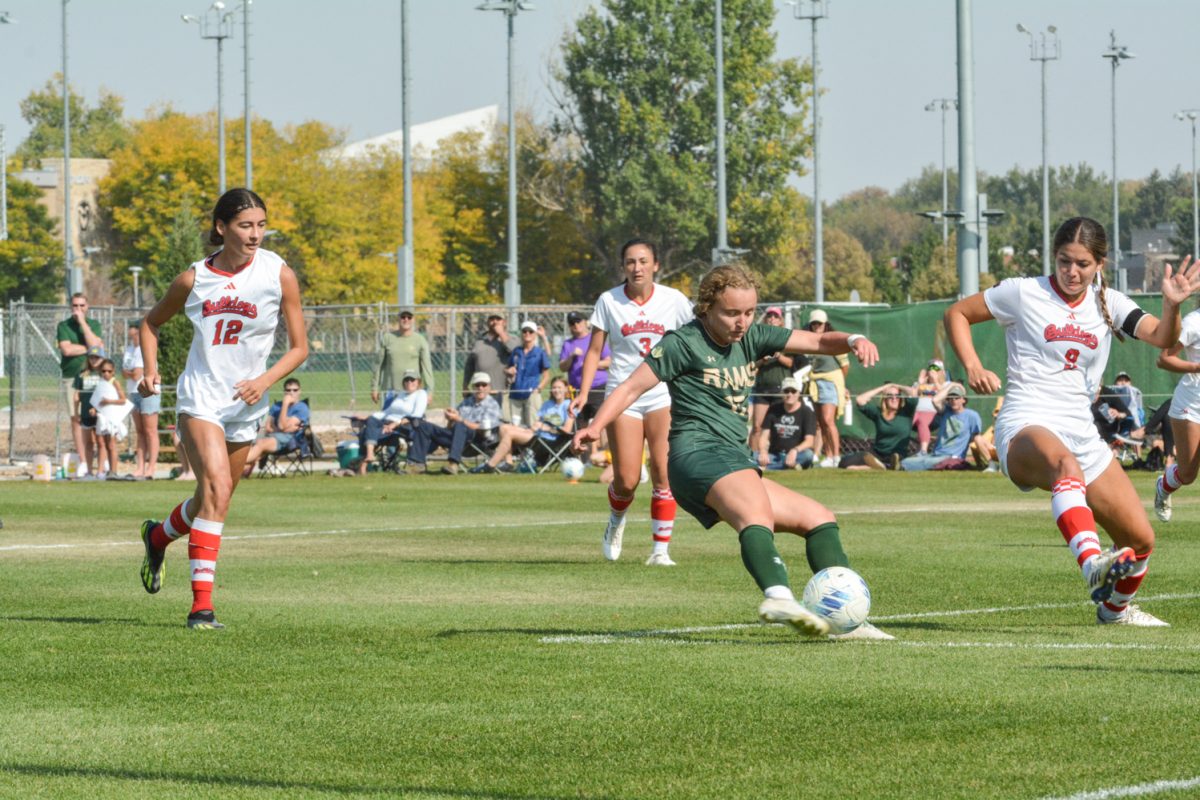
x: 693, y: 473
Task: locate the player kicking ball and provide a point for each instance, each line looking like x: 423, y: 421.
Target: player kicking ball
x: 709, y: 368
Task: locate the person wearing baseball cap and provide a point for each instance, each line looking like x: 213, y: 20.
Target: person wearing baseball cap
x: 929, y: 381
x: 528, y: 371
x: 957, y: 428
x: 490, y: 354
x: 570, y: 361
x: 476, y: 421
x: 787, y: 431
x: 827, y: 388
x: 400, y: 351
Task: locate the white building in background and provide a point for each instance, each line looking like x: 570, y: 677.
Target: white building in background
x: 425, y: 137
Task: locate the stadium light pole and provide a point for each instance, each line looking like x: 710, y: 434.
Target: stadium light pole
x: 74, y: 279
x: 1191, y: 114
x: 968, y: 199
x: 814, y: 10
x: 137, y: 295
x: 943, y: 104
x: 5, y: 19
x: 246, y: 130
x: 216, y: 23
x: 1044, y: 47
x: 512, y: 284
x: 1116, y: 54
x: 405, y: 289
x: 722, y: 253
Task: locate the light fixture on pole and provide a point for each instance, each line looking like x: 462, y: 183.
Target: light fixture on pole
x: 216, y: 23
x: 6, y: 18
x: 512, y: 283
x: 137, y: 295
x: 943, y: 104
x: 1116, y: 54
x: 1191, y: 114
x: 814, y: 10
x: 1044, y: 47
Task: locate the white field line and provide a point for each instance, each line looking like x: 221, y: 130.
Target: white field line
x: 642, y: 635
x: 1138, y: 790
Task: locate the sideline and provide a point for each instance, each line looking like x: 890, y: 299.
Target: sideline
x: 1138, y: 790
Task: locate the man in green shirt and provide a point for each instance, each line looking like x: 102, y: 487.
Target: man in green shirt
x: 400, y: 351
x: 75, y: 335
x: 709, y: 366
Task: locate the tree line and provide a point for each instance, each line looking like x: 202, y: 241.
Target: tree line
x: 628, y: 151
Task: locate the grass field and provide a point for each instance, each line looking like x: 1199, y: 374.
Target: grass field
x: 462, y: 638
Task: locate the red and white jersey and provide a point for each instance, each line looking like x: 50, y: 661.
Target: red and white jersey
x: 1057, y: 350
x: 1189, y: 337
x: 633, y: 328
x: 233, y: 316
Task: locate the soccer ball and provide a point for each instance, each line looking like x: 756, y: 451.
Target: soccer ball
x: 572, y: 469
x: 839, y: 596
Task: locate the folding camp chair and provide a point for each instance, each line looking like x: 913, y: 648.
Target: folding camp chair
x: 549, y: 453
x: 294, y: 460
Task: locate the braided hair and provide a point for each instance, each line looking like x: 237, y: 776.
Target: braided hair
x: 1091, y: 234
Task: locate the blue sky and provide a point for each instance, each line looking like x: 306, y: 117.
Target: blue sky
x: 881, y: 60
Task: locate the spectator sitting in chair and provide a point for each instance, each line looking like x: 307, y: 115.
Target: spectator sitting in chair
x: 957, y: 427
x: 405, y: 409
x: 554, y: 420
x: 285, y: 420
x: 475, y: 419
x: 789, y: 428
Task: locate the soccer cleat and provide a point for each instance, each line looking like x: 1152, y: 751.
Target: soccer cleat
x: 1133, y: 615
x: 1103, y: 571
x: 154, y: 561
x: 864, y: 632
x: 203, y: 621
x: 659, y: 560
x: 794, y: 614
x: 1162, y: 502
x: 613, y: 534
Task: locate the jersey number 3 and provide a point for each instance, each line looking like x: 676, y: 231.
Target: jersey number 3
x: 231, y: 329
x: 1072, y: 356
x: 645, y: 344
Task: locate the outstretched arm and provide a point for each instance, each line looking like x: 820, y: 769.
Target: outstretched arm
x: 637, y: 384
x: 834, y: 343
x: 958, y: 320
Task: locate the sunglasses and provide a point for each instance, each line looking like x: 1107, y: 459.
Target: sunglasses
x: 406, y: 316
x: 791, y: 391
x: 292, y: 391
x: 409, y: 378
x: 480, y: 385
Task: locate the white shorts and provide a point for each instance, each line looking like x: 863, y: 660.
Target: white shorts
x: 654, y: 399
x: 1185, y: 404
x: 236, y: 431
x: 1083, y: 442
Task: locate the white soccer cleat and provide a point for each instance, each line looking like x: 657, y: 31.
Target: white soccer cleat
x: 1133, y: 615
x: 864, y: 632
x: 794, y: 614
x: 1162, y: 502
x: 659, y: 560
x: 1103, y: 571
x: 612, y: 538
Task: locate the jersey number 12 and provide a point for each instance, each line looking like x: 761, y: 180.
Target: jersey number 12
x: 230, y: 334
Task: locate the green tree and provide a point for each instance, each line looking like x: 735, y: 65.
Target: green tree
x: 639, y: 98
x: 96, y: 131
x: 183, y: 246
x: 31, y: 256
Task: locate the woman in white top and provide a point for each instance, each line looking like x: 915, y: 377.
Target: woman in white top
x: 632, y: 318
x: 407, y: 405
x: 234, y: 300
x: 1058, y: 330
x: 1184, y: 414
x: 145, y: 409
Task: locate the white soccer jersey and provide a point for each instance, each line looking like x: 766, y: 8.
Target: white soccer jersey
x: 233, y: 317
x: 1057, y: 350
x: 1189, y: 337
x: 633, y: 328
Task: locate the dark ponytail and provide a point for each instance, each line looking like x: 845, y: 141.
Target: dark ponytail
x: 232, y: 203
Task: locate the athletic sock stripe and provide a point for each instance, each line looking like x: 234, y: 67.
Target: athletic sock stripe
x: 204, y: 540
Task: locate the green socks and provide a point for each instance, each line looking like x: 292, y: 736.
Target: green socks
x: 822, y: 547
x: 761, y: 558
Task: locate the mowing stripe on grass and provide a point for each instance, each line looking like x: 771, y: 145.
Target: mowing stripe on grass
x: 625, y: 636
x: 1139, y: 790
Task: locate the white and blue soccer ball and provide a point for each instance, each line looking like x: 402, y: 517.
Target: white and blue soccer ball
x: 572, y: 469
x: 839, y: 596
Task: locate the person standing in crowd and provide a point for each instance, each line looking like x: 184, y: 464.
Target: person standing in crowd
x: 234, y: 300
x: 490, y: 354
x: 145, y: 409
x: 1058, y: 329
x: 1183, y: 415
x: 789, y: 429
x: 772, y: 369
x: 83, y: 385
x: 929, y: 381
x: 828, y: 390
x: 76, y: 335
x: 400, y: 351
x: 570, y: 361
x: 893, y: 420
x: 635, y: 316
x: 527, y: 372
x: 708, y: 365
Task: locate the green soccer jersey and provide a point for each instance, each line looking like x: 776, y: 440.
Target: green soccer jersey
x: 710, y: 385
